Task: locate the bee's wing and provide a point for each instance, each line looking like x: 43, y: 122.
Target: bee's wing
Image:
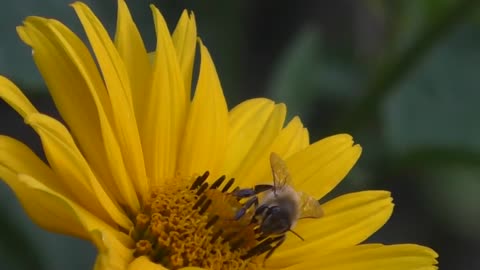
x: 310, y: 207
x: 281, y: 176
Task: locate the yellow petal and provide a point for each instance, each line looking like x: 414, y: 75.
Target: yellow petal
x: 58, y: 204
x: 18, y: 101
x: 118, y: 85
x: 347, y: 221
x: 166, y: 108
x: 144, y: 263
x: 203, y: 147
x: 257, y: 162
x: 80, y: 69
x: 247, y: 121
x: 48, y: 214
x: 322, y: 165
x: 80, y: 57
x: 291, y: 139
x: 185, y: 40
x: 68, y: 162
x: 52, y: 210
x: 112, y: 67
x: 305, y: 138
x: 371, y: 256
x: 15, y: 98
x: 18, y: 158
x: 112, y: 253
x: 66, y: 63
x: 131, y: 49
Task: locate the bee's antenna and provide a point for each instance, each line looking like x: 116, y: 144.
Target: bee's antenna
x: 296, y: 234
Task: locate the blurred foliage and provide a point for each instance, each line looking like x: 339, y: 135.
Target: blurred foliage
x: 424, y: 112
x: 399, y: 75
x: 306, y: 73
x: 454, y: 199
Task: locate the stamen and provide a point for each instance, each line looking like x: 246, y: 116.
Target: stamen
x: 143, y: 247
x: 202, y: 188
x: 229, y: 237
x: 141, y: 224
x: 212, y: 221
x: 216, y: 236
x: 193, y: 225
x: 236, y: 244
x: 159, y: 254
x: 205, y: 207
x: 199, y: 180
x: 200, y: 201
x: 218, y: 182
x: 228, y: 185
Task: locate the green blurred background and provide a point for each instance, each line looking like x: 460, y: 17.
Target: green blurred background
x: 400, y: 76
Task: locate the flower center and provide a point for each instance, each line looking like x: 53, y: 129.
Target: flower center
x: 194, y: 225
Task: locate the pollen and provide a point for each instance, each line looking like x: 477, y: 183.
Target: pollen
x: 194, y: 225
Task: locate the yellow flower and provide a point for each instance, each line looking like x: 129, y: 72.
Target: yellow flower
x: 128, y: 170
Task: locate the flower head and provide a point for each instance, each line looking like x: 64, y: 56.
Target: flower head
x: 159, y: 179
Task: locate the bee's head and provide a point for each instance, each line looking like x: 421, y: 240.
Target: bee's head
x: 276, y: 221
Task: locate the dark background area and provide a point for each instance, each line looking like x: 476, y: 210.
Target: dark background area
x: 400, y: 76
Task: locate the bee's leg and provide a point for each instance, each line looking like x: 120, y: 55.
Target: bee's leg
x: 258, y: 211
x: 279, y: 243
x: 243, y: 193
x: 263, y: 247
x: 252, y: 201
x: 248, y: 192
x: 261, y: 188
x: 261, y: 209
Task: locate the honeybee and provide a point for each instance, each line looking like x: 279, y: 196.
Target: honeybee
x: 278, y: 207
